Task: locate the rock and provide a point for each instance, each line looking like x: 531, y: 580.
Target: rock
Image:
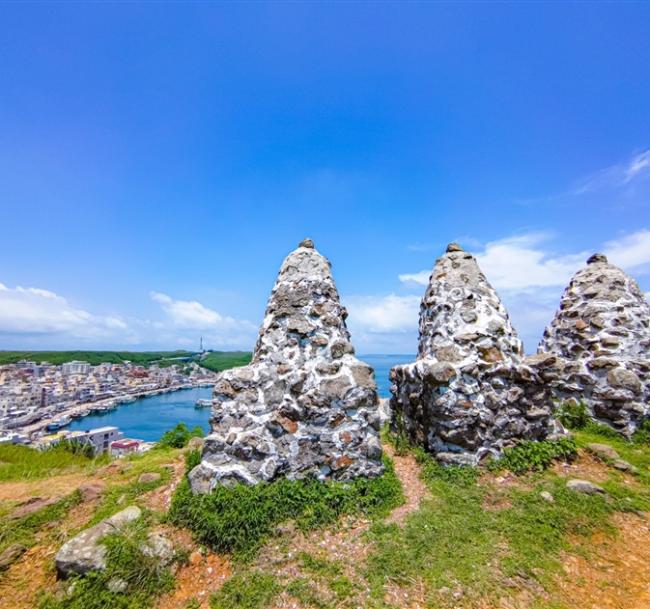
x: 195, y: 558
x: 585, y: 487
x: 305, y: 406
x: 116, y: 585
x: 84, y: 552
x: 624, y: 466
x: 546, y: 496
x: 470, y: 392
x: 92, y: 490
x: 196, y: 443
x: 149, y: 477
x: 601, y: 331
x: 32, y: 505
x: 10, y: 555
x: 158, y: 546
x: 603, y: 451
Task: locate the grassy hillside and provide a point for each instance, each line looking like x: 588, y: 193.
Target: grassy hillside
x: 216, y: 360
x: 92, y: 357
x: 222, y: 360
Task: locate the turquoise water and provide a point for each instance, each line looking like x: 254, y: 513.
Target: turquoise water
x: 148, y: 418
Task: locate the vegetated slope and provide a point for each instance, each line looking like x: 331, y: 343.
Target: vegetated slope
x: 474, y: 538
x: 222, y: 360
x: 213, y: 360
x: 92, y: 357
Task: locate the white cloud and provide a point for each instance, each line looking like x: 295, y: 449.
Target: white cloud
x: 189, y: 313
x: 631, y: 251
x: 38, y: 311
x: 421, y: 278
x: 616, y: 176
x: 390, y: 313
x: 185, y: 316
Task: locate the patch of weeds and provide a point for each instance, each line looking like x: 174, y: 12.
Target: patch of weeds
x: 573, y: 414
x: 306, y: 593
x: 249, y: 590
x: 192, y: 603
x: 604, y: 431
x: 319, y: 566
x: 140, y: 578
x: 238, y: 519
x: 535, y: 456
x: 342, y: 587
x: 23, y: 530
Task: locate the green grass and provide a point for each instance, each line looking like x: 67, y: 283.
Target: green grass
x: 248, y: 590
x: 454, y: 541
x: 238, y: 519
x: 217, y: 361
x: 24, y: 463
x: 23, y: 531
x: 144, y: 577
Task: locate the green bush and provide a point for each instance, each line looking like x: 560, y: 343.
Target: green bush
x: 179, y: 436
x: 572, y: 414
x: 535, y: 456
x: 239, y: 518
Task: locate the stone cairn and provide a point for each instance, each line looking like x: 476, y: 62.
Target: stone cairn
x: 305, y: 406
x: 470, y: 393
x: 601, y: 335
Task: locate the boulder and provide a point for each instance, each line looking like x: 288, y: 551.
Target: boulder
x: 84, y: 552
x: 603, y: 451
x: 602, y: 332
x: 471, y: 392
x: 585, y: 487
x: 148, y: 477
x: 305, y: 406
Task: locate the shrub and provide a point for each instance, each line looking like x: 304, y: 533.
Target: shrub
x: 536, y: 456
x: 179, y: 436
x: 572, y: 414
x: 239, y: 518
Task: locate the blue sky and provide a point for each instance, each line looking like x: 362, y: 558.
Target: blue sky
x: 158, y: 161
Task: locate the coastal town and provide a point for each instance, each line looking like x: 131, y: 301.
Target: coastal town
x: 39, y: 400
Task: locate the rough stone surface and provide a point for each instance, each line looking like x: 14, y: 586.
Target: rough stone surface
x: 148, y: 477
x: 10, y: 555
x: 584, y: 486
x: 602, y: 451
x: 32, y: 505
x: 84, y: 552
x: 601, y: 332
x: 305, y: 406
x: 470, y: 393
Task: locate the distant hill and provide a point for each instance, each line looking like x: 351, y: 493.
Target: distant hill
x: 215, y: 360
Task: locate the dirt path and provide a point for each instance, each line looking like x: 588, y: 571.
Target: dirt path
x: 415, y: 490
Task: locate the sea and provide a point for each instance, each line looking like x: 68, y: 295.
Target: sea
x: 148, y: 418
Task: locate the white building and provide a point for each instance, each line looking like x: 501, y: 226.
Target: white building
x: 75, y: 368
x: 101, y: 438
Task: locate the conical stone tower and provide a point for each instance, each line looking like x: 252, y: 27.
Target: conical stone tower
x: 305, y: 406
x: 602, y: 330
x: 470, y: 393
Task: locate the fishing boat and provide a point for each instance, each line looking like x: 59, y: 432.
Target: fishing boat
x: 202, y: 403
x: 59, y: 423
